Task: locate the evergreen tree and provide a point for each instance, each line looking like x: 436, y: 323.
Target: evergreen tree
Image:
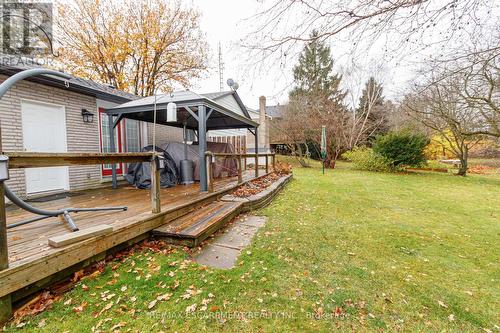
x: 371, y: 93
x: 372, y: 101
x: 313, y: 74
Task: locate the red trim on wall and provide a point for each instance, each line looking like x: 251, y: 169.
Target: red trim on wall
x: 119, y: 166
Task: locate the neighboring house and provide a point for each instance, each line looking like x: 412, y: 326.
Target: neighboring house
x: 244, y: 135
x: 44, y: 114
x: 276, y: 136
x: 236, y: 137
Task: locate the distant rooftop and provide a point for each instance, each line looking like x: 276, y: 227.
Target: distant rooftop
x: 274, y: 111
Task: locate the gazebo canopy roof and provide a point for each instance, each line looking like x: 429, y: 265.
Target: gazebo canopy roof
x: 227, y: 110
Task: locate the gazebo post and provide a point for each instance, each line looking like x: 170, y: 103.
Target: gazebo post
x: 202, y: 146
x: 185, y: 141
x: 113, y: 148
x: 256, y: 133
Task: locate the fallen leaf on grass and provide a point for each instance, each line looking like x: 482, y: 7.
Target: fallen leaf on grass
x: 191, y: 308
x: 164, y: 297
x: 105, y: 308
x: 80, y: 307
x: 451, y: 317
x: 41, y: 323
x: 442, y: 304
x: 39, y: 303
x: 152, y: 304
x: 120, y: 324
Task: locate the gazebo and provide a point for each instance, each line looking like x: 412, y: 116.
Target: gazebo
x: 197, y: 112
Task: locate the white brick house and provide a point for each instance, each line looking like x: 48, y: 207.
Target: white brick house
x: 43, y: 114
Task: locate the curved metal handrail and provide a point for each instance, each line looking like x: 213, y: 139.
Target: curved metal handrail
x: 4, y: 87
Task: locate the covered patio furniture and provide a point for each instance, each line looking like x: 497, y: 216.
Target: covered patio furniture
x: 195, y: 112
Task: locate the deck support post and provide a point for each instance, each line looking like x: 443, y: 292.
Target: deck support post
x: 113, y: 148
x: 240, y: 172
x: 202, y: 146
x: 274, y: 161
x: 5, y: 301
x: 256, y: 152
x: 210, y: 172
x: 155, y: 187
x: 267, y: 163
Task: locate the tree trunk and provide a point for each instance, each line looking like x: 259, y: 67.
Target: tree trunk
x: 299, y: 154
x: 462, y: 170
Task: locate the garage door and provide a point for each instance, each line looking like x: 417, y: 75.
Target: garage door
x: 44, y: 130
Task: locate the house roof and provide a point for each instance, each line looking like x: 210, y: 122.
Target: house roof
x: 224, y: 115
x: 10, y: 66
x: 274, y: 111
x: 254, y: 114
x: 231, y: 100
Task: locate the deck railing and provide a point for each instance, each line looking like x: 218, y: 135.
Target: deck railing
x: 23, y: 160
x: 211, y: 157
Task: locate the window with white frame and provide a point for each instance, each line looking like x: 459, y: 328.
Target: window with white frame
x: 132, y: 135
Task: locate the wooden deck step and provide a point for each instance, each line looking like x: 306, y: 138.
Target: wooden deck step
x: 193, y: 228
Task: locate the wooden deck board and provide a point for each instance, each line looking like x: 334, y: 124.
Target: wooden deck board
x: 31, y: 258
x: 191, y: 229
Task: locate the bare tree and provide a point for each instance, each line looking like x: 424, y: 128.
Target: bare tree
x: 481, y: 89
x: 300, y: 127
x: 439, y: 107
x: 291, y: 129
x: 283, y: 24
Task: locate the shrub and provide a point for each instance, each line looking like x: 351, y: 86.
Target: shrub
x: 365, y: 159
x: 401, y: 148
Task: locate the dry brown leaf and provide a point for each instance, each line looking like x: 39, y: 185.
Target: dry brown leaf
x: 152, y: 304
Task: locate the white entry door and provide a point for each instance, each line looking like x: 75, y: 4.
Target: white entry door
x: 44, y: 130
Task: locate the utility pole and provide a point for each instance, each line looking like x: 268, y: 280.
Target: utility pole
x: 221, y: 70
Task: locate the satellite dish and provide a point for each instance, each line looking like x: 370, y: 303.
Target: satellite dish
x: 230, y: 82
x: 235, y: 86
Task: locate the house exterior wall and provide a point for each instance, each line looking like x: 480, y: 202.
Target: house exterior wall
x: 164, y: 134
x: 81, y: 137
x: 263, y: 130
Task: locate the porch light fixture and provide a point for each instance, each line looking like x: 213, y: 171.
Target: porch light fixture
x: 4, y: 168
x: 171, y: 112
x: 88, y: 117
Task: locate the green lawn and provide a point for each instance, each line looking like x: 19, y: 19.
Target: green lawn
x: 349, y: 250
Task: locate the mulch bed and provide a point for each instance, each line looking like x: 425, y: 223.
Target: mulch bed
x: 256, y: 186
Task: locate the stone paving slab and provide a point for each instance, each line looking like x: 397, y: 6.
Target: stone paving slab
x: 237, y: 237
x: 217, y: 256
x: 224, y: 249
x: 254, y: 221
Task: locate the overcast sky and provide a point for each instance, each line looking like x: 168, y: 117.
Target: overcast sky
x: 223, y: 21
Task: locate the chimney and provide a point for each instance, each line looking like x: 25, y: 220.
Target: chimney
x: 263, y: 135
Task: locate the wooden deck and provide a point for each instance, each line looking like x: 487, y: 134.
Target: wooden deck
x: 31, y: 259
